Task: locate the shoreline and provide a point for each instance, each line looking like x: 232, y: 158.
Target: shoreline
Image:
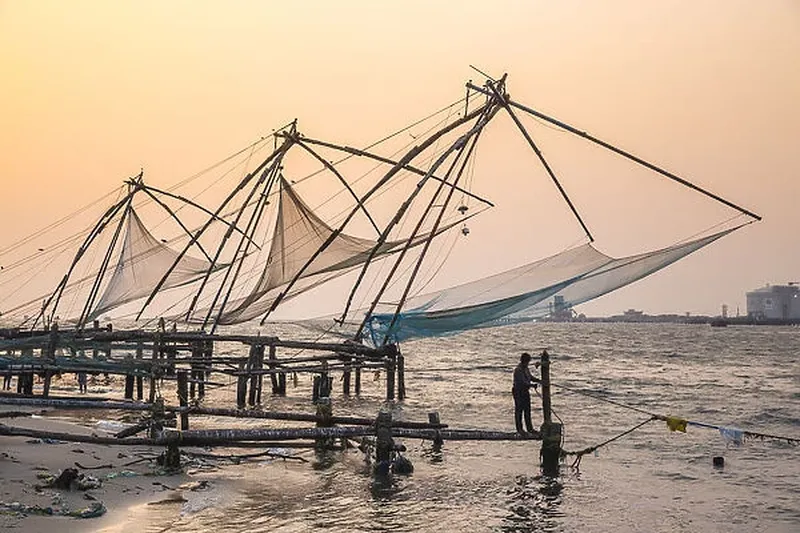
x: 131, y: 486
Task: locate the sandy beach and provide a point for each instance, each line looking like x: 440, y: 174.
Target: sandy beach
x: 127, y: 488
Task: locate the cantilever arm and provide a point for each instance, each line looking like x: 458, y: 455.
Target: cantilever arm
x: 175, y: 217
x: 376, y: 157
x: 213, y: 215
x: 623, y: 153
x: 505, y: 102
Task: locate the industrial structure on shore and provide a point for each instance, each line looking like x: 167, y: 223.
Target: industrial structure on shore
x: 775, y: 302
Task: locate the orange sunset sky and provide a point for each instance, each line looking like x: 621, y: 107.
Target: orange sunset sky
x: 92, y: 91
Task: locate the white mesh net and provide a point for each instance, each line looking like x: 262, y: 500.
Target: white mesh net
x: 142, y: 263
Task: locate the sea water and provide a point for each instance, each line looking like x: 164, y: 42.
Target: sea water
x: 652, y: 480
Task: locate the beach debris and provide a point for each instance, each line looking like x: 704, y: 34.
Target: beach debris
x: 94, y: 510
x: 121, y: 473
x: 45, y: 440
x: 68, y: 479
x: 195, y: 486
x: 172, y: 497
x: 98, y: 467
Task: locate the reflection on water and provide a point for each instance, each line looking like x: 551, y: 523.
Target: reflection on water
x: 652, y: 480
x: 533, y: 505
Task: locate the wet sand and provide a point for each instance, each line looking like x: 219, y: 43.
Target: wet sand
x: 132, y: 490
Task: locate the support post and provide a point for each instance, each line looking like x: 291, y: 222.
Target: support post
x: 252, y: 364
x: 241, y: 387
x: 358, y: 377
x: 401, y: 376
x: 551, y: 432
x: 438, y: 441
x: 197, y: 353
x: 384, y: 444
x: 50, y: 358
x: 208, y: 358
x: 183, y: 397
x: 129, y: 382
x: 282, y: 383
x: 324, y: 420
x: 390, y: 368
x: 154, y: 366
x: 273, y: 378
x: 48, y: 376
x: 260, y: 366
x: 139, y: 378
x: 346, y: 376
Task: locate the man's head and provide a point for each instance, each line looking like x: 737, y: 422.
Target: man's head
x: 525, y: 358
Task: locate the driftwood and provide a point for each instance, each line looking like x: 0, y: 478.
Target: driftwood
x: 14, y: 414
x: 210, y: 411
x: 220, y: 437
x: 241, y: 457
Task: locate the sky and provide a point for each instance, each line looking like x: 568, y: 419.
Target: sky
x: 94, y: 91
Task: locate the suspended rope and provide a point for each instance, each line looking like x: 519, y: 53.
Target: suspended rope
x: 675, y: 423
x: 591, y: 449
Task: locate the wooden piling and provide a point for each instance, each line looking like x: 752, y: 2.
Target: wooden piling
x: 273, y: 378
x: 129, y: 382
x: 324, y: 420
x: 252, y: 365
x: 346, y: 376
x: 183, y: 397
x: 358, y: 377
x: 241, y: 387
x: 401, y: 377
x: 438, y: 442
x: 139, y: 377
x: 154, y: 362
x: 196, y: 376
x: 550, y: 431
x: 384, y: 444
x: 390, y: 371
x: 259, y: 366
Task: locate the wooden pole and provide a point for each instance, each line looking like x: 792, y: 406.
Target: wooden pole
x: 401, y: 377
x: 384, y: 444
x: 139, y: 377
x: 324, y: 420
x: 346, y: 376
x: 129, y: 382
x: 50, y: 356
x: 252, y: 365
x: 260, y: 365
x: 273, y: 378
x: 438, y: 442
x: 154, y: 365
x: 183, y: 398
x: 196, y: 354
x: 390, y: 368
x: 358, y: 377
x: 551, y: 432
x: 241, y: 387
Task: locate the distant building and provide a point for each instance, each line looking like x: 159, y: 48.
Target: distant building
x: 774, y: 302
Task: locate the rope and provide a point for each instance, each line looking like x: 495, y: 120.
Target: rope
x: 579, y: 454
x: 679, y: 421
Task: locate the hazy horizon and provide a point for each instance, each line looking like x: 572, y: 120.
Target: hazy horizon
x: 94, y: 91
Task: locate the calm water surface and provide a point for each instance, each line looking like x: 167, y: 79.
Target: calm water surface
x: 652, y: 480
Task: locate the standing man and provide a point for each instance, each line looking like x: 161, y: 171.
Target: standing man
x: 523, y: 381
